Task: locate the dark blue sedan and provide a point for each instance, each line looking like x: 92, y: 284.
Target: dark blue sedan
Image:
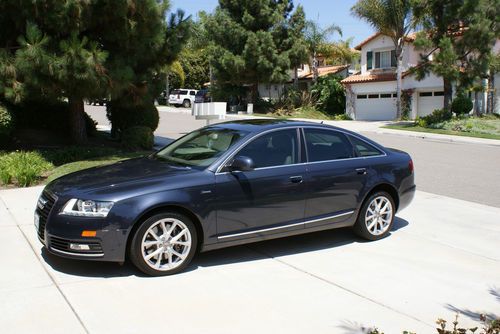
x: 223, y: 185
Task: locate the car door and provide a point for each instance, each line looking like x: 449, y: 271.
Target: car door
x: 334, y: 178
x: 268, y: 199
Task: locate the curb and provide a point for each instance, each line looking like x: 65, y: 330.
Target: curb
x: 440, y: 137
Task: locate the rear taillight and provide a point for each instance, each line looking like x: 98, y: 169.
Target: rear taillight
x: 410, y: 166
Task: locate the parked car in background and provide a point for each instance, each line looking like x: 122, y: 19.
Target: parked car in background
x: 223, y: 185
x: 182, y: 97
x: 202, y: 96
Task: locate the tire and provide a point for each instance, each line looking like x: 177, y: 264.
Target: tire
x: 166, y: 259
x: 186, y: 103
x: 372, y: 224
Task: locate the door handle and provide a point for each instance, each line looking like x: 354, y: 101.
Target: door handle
x: 361, y: 171
x: 296, y: 179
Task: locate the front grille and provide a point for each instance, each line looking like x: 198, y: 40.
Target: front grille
x: 63, y: 245
x: 43, y: 208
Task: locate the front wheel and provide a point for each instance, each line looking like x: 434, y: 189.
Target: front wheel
x: 164, y: 244
x: 376, y: 216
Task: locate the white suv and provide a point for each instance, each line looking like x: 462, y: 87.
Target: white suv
x: 182, y: 97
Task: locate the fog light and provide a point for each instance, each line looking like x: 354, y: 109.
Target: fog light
x: 80, y: 247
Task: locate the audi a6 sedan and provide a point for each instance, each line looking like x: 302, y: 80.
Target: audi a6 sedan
x: 223, y: 185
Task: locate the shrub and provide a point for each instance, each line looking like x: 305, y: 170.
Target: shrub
x: 330, y: 94
x: 23, y: 167
x: 125, y: 113
x: 461, y: 105
x: 6, y: 124
x: 437, y: 116
x: 138, y: 137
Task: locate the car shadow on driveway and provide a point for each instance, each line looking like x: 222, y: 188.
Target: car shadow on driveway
x: 304, y: 243
x: 310, y: 242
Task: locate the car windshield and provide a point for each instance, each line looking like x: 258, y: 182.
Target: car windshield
x: 200, y: 148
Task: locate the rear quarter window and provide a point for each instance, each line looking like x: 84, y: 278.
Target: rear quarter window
x: 183, y: 92
x: 363, y: 149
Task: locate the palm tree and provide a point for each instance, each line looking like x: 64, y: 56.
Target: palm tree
x: 392, y: 18
x: 316, y: 37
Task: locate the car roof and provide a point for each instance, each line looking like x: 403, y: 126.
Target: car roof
x: 263, y: 124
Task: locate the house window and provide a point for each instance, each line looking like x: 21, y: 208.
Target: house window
x: 373, y: 96
x: 383, y: 59
x: 385, y: 96
x: 361, y: 97
x: 424, y: 94
x: 438, y: 93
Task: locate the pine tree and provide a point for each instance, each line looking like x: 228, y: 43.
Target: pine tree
x: 79, y: 50
x: 249, y: 42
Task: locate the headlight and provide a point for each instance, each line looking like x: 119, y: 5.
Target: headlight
x: 86, y: 208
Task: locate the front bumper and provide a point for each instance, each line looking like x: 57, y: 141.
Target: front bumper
x: 58, y: 232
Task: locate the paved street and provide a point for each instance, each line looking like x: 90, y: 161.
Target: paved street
x: 442, y: 257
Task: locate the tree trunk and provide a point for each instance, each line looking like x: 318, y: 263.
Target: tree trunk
x: 477, y: 109
x: 295, y: 78
x: 448, y: 91
x: 399, y: 84
x: 315, y: 67
x: 77, y: 127
x: 399, y: 77
x: 491, y: 94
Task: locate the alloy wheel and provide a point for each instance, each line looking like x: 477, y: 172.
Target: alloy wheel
x: 166, y: 244
x: 378, y: 215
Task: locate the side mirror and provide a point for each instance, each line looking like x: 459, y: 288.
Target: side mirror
x: 242, y: 164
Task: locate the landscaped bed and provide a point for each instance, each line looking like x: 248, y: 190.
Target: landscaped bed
x: 481, y: 127
x: 26, y: 168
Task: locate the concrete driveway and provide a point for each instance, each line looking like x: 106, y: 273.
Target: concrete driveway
x: 442, y: 257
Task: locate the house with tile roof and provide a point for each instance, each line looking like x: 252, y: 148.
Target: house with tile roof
x: 305, y: 78
x: 371, y: 93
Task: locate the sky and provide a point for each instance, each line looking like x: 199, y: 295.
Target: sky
x: 325, y: 12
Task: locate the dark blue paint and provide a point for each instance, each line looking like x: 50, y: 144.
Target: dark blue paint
x: 226, y: 203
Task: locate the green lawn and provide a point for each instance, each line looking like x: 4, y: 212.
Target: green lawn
x: 482, y: 127
x: 26, y: 168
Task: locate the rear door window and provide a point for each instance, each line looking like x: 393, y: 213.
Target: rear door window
x: 363, y: 149
x: 192, y: 92
x: 325, y: 145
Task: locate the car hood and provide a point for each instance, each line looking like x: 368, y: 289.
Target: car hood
x: 127, y: 173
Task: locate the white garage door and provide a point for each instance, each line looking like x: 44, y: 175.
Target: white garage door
x: 429, y: 101
x: 376, y: 107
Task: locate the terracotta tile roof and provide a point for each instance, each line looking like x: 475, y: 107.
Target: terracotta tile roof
x: 358, y: 78
x: 410, y: 39
x: 324, y: 71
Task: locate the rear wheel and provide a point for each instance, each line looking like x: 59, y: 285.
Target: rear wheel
x: 164, y: 244
x: 376, y: 216
x: 186, y: 103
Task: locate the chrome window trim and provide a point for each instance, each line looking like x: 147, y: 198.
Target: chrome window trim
x: 384, y: 154
x: 285, y: 226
